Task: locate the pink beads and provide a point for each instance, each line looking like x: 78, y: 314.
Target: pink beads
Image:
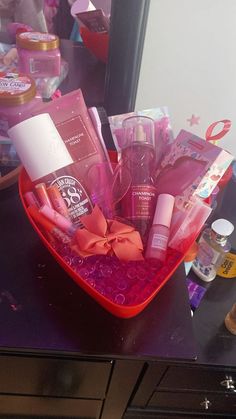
x: 124, y: 283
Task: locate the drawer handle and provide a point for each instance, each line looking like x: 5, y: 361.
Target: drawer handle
x: 206, y: 403
x: 228, y: 383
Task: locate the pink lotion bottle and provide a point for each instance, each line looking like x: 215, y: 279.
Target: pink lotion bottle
x: 159, y: 233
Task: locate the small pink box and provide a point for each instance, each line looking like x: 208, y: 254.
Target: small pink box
x: 193, y: 166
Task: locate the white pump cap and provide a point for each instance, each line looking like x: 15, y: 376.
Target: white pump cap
x: 39, y: 146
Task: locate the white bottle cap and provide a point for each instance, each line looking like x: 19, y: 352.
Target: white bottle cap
x: 39, y: 146
x: 222, y: 227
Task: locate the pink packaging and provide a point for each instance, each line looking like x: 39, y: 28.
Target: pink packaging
x: 193, y: 166
x: 39, y: 54
x: 71, y: 117
x: 17, y: 99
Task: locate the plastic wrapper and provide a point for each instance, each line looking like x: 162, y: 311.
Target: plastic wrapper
x: 163, y: 131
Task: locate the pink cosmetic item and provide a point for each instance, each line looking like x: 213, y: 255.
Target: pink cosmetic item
x: 31, y: 199
x: 94, y: 20
x: 48, y: 226
x: 47, y: 160
x: 39, y: 54
x: 72, y: 119
x: 18, y: 99
x: 58, y: 219
x: 193, y: 166
x: 138, y: 158
x: 42, y: 194
x: 159, y: 233
x: 57, y: 201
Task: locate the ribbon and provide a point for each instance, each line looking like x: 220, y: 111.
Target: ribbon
x: 209, y: 133
x: 107, y: 237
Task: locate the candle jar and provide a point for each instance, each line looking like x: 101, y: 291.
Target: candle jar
x: 38, y: 54
x: 18, y: 99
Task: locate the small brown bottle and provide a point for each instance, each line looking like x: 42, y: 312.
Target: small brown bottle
x: 230, y: 320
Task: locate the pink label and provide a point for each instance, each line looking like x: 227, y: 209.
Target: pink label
x: 46, y: 65
x: 77, y: 138
x: 38, y: 37
x: 75, y: 197
x: 13, y: 84
x: 159, y: 241
x: 139, y: 202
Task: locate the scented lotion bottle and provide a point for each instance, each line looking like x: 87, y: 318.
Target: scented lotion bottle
x: 159, y: 233
x: 47, y: 160
x: 138, y: 159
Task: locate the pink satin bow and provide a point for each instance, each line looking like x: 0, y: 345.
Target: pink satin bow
x: 107, y: 237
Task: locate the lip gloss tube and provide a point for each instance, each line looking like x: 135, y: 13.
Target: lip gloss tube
x: 58, y: 219
x: 48, y: 226
x: 31, y: 199
x: 57, y: 201
x: 159, y: 233
x: 42, y: 194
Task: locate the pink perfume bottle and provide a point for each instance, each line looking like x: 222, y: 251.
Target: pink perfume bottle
x: 138, y: 157
x: 47, y: 160
x: 159, y: 233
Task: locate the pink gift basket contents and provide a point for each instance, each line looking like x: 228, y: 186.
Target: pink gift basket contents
x: 122, y: 288
x: 120, y: 223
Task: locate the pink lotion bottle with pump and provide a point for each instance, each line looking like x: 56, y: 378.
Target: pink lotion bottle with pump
x: 138, y: 158
x: 159, y: 233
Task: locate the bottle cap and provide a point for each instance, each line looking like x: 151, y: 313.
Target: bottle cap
x: 164, y: 209
x: 16, y: 89
x: 222, y: 227
x: 138, y: 129
x: 39, y: 146
x: 37, y: 41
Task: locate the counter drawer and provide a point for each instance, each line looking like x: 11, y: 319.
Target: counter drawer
x: 54, y: 377
x: 187, y: 378
x: 194, y: 402
x: 49, y: 407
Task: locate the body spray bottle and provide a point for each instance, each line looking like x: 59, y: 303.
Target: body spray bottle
x: 138, y: 158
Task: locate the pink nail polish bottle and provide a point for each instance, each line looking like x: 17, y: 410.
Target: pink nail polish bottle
x: 159, y: 233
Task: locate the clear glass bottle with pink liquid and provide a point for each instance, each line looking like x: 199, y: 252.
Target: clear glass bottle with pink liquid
x: 138, y: 158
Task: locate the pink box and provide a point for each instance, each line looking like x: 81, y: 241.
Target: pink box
x: 193, y: 166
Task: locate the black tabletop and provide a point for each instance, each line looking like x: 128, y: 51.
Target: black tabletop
x: 43, y: 310
x: 215, y: 344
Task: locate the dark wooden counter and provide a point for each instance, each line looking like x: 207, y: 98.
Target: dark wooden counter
x: 51, y: 313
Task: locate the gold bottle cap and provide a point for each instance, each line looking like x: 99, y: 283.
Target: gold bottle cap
x: 37, y: 41
x: 16, y: 89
